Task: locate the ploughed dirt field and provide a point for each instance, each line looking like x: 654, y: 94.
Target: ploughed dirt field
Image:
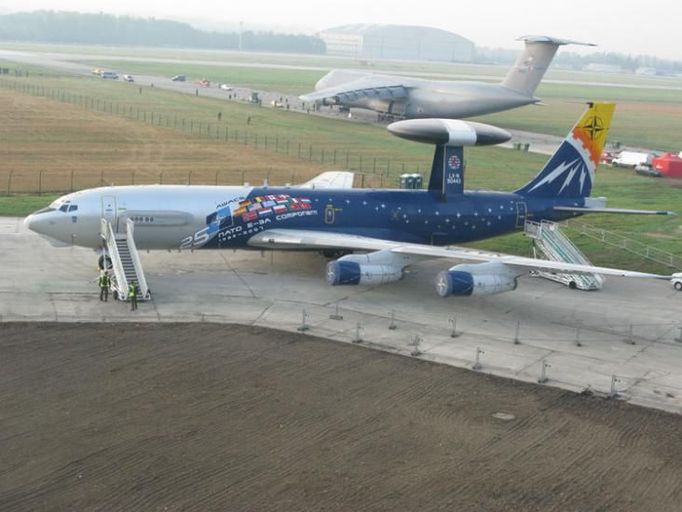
x: 218, y: 417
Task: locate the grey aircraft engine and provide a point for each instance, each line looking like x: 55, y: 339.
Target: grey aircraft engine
x: 373, y: 268
x: 469, y: 279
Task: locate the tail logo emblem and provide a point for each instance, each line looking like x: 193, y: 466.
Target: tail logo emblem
x: 454, y: 162
x: 594, y: 127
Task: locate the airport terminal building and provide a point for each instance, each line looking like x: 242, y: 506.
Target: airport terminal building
x: 400, y: 42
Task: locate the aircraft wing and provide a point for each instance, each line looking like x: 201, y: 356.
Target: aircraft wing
x: 622, y: 211
x: 330, y: 179
x: 380, y: 87
x: 310, y: 239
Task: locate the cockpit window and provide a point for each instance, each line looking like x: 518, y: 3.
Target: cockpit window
x: 73, y: 207
x: 64, y: 208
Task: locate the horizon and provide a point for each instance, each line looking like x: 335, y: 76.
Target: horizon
x: 502, y: 35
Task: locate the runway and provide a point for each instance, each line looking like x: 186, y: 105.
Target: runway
x: 620, y: 339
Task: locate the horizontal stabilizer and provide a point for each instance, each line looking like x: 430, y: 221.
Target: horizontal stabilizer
x: 552, y: 40
x: 623, y: 211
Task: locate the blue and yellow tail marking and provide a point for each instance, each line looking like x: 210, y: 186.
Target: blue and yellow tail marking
x: 570, y: 171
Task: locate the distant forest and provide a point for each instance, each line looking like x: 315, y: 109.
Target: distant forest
x: 106, y: 29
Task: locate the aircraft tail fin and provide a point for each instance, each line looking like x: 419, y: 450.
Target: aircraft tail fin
x: 526, y: 74
x: 570, y: 171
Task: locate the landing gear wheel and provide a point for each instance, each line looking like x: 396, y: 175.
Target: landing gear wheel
x: 104, y: 260
x: 115, y: 295
x: 572, y: 285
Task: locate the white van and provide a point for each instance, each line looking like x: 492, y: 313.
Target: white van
x: 632, y: 159
x: 110, y: 75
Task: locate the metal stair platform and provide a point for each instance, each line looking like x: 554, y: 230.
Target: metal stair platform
x: 125, y: 261
x: 551, y: 244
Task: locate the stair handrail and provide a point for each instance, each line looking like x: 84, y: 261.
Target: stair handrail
x: 576, y: 255
x: 112, y: 249
x: 555, y: 245
x: 137, y: 263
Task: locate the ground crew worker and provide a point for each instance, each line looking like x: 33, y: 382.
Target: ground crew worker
x: 133, y: 290
x: 104, y: 284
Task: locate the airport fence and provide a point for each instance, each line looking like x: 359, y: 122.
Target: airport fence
x: 371, y: 171
x: 636, y: 247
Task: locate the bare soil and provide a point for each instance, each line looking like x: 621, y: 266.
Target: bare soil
x: 221, y: 417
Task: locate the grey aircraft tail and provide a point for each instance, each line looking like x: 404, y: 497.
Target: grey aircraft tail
x: 526, y: 74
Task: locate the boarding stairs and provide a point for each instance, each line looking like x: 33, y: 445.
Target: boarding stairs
x: 126, y: 266
x: 551, y: 244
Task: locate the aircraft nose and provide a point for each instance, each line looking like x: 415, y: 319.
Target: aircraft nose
x: 39, y: 222
x: 31, y: 222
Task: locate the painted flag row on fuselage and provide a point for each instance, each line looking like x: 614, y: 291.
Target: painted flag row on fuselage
x: 257, y: 207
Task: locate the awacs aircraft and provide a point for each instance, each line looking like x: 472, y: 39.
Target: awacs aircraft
x: 391, y: 228
x: 404, y: 97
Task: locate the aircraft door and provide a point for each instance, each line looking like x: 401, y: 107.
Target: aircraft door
x: 329, y: 214
x: 521, y: 214
x: 109, y: 210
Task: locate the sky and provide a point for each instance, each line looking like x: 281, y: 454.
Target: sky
x: 653, y: 27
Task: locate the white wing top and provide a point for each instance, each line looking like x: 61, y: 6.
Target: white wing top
x: 310, y: 239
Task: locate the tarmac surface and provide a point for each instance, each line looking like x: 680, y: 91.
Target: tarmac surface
x: 204, y: 417
x: 620, y: 340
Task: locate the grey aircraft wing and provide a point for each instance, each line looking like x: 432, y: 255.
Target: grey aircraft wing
x: 369, y: 87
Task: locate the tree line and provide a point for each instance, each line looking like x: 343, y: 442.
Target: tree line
x: 106, y: 29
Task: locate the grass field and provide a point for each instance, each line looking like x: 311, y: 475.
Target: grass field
x: 49, y: 146
x: 101, y: 147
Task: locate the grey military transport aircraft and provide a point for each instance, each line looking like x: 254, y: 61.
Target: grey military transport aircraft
x: 404, y: 97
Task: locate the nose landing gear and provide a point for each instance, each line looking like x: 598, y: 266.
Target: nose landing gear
x: 104, y: 263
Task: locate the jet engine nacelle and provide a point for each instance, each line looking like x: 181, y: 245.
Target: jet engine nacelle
x: 476, y: 279
x: 350, y: 272
x: 373, y: 268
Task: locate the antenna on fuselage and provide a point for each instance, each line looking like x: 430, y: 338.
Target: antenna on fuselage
x: 449, y: 136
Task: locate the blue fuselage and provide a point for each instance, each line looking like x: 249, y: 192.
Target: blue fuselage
x: 413, y: 216
x: 204, y: 217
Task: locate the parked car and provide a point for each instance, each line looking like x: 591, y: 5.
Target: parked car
x: 226, y: 87
x: 111, y: 75
x: 128, y: 78
x: 179, y: 78
x: 677, y: 281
